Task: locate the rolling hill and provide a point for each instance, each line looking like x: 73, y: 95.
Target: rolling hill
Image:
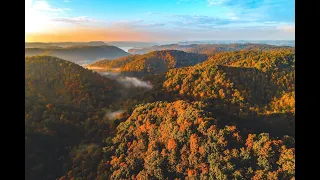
x: 63, y: 109
x: 151, y: 63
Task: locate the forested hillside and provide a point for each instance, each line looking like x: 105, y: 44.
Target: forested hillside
x: 63, y: 108
x: 179, y: 140
x: 151, y: 63
x: 247, y: 80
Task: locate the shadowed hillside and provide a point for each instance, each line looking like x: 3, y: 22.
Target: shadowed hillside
x: 63, y: 104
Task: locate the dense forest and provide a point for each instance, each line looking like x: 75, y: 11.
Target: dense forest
x: 78, y: 53
x: 62, y: 110
x: 225, y: 115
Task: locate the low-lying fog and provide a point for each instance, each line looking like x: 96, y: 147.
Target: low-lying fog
x: 127, y: 81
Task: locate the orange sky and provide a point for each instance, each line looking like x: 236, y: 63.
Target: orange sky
x: 87, y: 35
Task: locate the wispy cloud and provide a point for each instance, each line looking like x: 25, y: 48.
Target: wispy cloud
x: 135, y: 24
x: 207, y: 23
x: 77, y: 20
x: 67, y: 1
x: 152, y: 13
x: 195, y: 20
x: 182, y: 1
x: 287, y: 28
x: 250, y: 9
x: 216, y: 2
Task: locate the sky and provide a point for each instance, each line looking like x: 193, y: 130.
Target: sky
x: 158, y: 20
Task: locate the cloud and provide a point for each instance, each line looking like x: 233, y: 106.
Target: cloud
x: 152, y: 13
x: 180, y: 1
x: 287, y: 28
x: 253, y: 10
x: 77, y: 20
x: 195, y: 21
x: 216, y: 2
x: 127, y: 81
x: 135, y: 82
x: 114, y: 115
x: 67, y: 1
x: 135, y: 24
x: 38, y: 15
x: 208, y: 23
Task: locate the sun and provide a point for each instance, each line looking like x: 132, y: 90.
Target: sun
x: 35, y: 19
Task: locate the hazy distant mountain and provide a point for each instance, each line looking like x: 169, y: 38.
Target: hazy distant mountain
x: 205, y: 48
x: 160, y: 48
x: 130, y: 44
x: 79, y: 54
x: 62, y: 44
x: 214, y: 48
x: 270, y: 42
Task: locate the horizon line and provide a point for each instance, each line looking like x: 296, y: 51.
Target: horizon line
x: 155, y: 41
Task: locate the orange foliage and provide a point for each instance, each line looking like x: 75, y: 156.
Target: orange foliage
x: 202, y: 151
x: 122, y: 164
x: 191, y: 172
x: 171, y: 145
x: 194, y: 143
x: 258, y: 175
x: 204, y: 168
x: 63, y: 178
x: 49, y: 106
x: 237, y: 136
x: 249, y: 142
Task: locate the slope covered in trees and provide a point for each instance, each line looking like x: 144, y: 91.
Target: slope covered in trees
x: 63, y: 108
x: 207, y: 48
x: 180, y: 140
x: 151, y: 63
x: 79, y: 54
x: 215, y: 48
x: 247, y: 79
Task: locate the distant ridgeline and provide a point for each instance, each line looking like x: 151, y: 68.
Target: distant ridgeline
x: 79, y: 54
x: 224, y: 112
x: 206, y: 48
x: 270, y: 42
